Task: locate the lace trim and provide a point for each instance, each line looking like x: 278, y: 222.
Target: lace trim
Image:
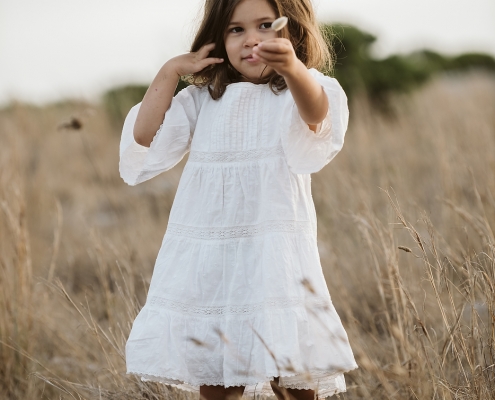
x: 310, y: 381
x: 245, y: 309
x: 236, y: 156
x: 327, y: 385
x: 159, y: 129
x: 240, y: 231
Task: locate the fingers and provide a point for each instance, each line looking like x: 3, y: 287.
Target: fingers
x: 213, y: 60
x: 209, y: 61
x: 274, y: 51
x: 275, y: 46
x: 273, y: 57
x: 205, y: 50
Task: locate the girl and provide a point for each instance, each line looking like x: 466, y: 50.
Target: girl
x: 238, y: 301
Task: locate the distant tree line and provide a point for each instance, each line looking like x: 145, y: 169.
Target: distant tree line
x: 355, y: 68
x: 358, y: 71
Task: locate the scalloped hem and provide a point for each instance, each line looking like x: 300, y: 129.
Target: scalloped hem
x: 262, y: 387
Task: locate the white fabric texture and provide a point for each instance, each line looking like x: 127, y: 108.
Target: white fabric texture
x: 238, y: 295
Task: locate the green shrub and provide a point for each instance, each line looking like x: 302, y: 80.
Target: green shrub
x: 358, y: 71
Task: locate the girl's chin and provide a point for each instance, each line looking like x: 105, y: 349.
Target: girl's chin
x: 254, y: 75
x: 250, y: 78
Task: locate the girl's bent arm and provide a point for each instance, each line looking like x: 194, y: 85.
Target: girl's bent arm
x: 159, y: 95
x: 155, y: 103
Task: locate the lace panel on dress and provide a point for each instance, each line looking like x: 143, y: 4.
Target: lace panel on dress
x: 244, y: 309
x: 236, y: 156
x: 231, y: 232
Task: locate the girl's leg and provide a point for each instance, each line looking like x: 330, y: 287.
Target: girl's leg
x: 291, y: 394
x: 220, y: 393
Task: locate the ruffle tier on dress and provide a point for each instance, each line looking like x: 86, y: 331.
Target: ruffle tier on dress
x: 237, y: 295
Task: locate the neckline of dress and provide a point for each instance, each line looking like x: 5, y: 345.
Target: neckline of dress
x: 247, y: 84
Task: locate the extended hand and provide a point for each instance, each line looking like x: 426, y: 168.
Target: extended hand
x: 279, y: 54
x: 191, y: 63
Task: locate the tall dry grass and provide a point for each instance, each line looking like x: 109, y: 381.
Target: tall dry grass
x: 405, y: 223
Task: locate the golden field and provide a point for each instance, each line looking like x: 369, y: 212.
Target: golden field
x: 406, y: 214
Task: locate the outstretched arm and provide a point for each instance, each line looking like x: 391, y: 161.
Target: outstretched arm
x: 159, y: 95
x: 308, y: 94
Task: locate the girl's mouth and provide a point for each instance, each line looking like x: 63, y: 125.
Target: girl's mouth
x: 250, y: 59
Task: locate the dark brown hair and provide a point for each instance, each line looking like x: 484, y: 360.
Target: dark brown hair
x: 302, y: 30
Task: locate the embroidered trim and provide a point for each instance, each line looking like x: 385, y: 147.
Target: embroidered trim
x: 245, y: 309
x: 236, y: 156
x: 221, y: 232
x: 327, y: 385
x: 159, y: 129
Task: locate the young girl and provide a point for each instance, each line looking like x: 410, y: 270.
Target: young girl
x: 238, y: 301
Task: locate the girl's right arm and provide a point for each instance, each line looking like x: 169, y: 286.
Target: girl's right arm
x: 159, y: 95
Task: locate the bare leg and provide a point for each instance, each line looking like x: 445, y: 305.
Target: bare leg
x: 291, y: 394
x: 220, y: 393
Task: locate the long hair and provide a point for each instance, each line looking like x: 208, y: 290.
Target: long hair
x: 302, y: 31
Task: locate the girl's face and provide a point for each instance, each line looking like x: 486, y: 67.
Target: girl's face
x: 250, y: 24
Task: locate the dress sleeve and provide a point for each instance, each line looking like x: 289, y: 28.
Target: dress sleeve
x: 308, y: 152
x: 171, y: 142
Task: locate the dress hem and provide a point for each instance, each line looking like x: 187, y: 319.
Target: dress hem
x: 194, y: 387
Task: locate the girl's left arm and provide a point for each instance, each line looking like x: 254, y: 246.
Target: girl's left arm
x: 308, y: 94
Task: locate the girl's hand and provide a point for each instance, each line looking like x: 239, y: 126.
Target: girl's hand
x: 191, y: 63
x: 279, y: 54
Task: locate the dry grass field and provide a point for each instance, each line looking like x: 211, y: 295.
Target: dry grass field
x: 406, y: 215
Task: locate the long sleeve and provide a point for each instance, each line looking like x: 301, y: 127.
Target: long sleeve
x: 306, y: 151
x: 170, y: 144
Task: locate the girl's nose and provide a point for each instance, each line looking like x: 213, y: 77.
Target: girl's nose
x: 252, y: 40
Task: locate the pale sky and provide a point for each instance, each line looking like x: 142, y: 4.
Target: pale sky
x: 51, y: 49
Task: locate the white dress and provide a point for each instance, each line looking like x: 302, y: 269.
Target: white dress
x: 237, y: 295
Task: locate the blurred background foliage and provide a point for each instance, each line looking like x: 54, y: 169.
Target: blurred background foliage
x: 354, y: 67
x: 118, y: 101
x: 358, y: 71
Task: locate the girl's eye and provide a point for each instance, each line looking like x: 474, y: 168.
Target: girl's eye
x: 266, y: 25
x: 236, y: 29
